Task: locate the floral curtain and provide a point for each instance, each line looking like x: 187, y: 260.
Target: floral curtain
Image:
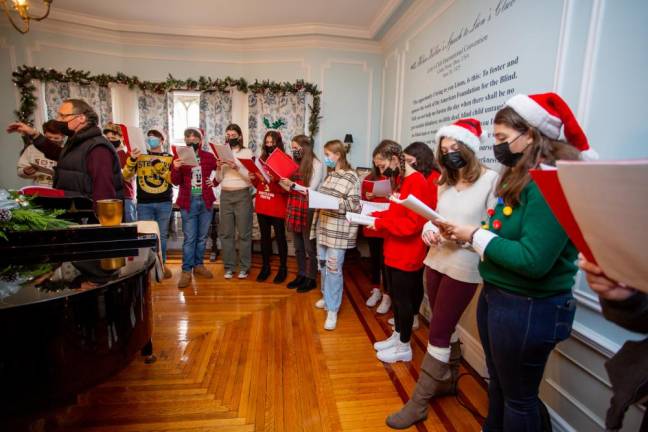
x: 96, y: 96
x: 288, y: 109
x: 154, y: 112
x: 215, y: 114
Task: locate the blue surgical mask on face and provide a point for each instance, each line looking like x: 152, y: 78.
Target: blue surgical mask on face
x: 329, y: 163
x: 152, y: 142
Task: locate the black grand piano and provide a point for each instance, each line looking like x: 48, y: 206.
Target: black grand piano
x: 75, y: 308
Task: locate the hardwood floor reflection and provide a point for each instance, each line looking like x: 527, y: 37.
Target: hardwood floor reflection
x: 245, y: 356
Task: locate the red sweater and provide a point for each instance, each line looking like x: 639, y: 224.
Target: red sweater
x: 433, y: 187
x: 271, y: 199
x: 401, y: 227
x: 182, y: 177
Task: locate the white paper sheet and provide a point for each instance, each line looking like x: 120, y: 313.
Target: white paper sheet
x: 360, y: 219
x: 187, y: 155
x: 610, y: 204
x: 136, y: 139
x: 262, y: 170
x: 382, y: 188
x: 318, y: 200
x: 369, y: 207
x: 225, y: 153
x: 418, y: 207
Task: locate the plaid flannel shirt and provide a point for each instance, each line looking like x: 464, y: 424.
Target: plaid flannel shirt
x: 297, y: 209
x: 330, y: 227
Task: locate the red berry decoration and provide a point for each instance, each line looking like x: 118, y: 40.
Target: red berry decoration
x: 497, y: 224
x: 491, y: 212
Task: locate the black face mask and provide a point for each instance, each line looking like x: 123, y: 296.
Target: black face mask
x: 453, y: 160
x: 233, y: 142
x: 270, y: 149
x: 389, y: 172
x: 298, y: 154
x: 115, y: 143
x: 193, y: 145
x: 504, y: 155
x: 63, y: 127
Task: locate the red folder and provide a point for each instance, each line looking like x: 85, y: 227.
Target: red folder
x: 42, y: 191
x: 281, y: 165
x: 549, y: 185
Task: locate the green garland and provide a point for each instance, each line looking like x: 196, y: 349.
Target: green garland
x: 17, y: 213
x: 23, y: 76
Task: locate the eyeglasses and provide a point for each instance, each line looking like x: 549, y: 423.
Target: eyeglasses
x: 62, y: 115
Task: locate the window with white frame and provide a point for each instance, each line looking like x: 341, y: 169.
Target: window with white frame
x: 186, y: 113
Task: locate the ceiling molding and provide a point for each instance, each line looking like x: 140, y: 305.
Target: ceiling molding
x: 383, y: 17
x: 81, y: 31
x: 303, y: 29
x: 405, y: 23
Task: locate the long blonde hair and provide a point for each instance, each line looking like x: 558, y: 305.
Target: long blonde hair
x: 337, y: 147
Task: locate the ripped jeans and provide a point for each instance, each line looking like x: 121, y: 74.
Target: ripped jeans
x: 330, y: 264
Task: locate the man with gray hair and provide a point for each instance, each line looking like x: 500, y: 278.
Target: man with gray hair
x: 87, y: 165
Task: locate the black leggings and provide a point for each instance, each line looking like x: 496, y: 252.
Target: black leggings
x: 407, y: 295
x: 377, y: 262
x: 265, y: 225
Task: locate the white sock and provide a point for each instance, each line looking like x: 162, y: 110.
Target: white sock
x: 454, y: 337
x: 441, y: 354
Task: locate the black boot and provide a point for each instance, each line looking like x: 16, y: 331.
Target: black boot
x: 281, y: 275
x: 263, y: 275
x: 308, y: 285
x: 296, y: 283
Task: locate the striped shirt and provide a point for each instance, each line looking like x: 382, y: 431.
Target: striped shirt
x: 330, y: 227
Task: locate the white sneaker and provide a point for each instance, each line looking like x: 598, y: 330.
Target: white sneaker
x: 387, y: 343
x: 331, y: 321
x: 243, y: 275
x: 374, y: 298
x: 384, y: 305
x: 415, y: 323
x: 320, y: 304
x: 399, y: 352
x: 228, y: 274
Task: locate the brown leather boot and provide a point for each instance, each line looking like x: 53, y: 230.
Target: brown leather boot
x: 201, y: 271
x: 434, y: 380
x: 168, y: 274
x: 185, y: 280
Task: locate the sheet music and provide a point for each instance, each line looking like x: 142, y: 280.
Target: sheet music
x: 610, y: 204
x: 318, y: 200
x: 187, y: 155
x: 382, y: 188
x: 225, y: 153
x: 418, y: 207
x: 369, y: 207
x: 360, y: 219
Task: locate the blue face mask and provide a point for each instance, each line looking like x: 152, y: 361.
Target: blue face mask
x: 329, y: 163
x: 152, y: 142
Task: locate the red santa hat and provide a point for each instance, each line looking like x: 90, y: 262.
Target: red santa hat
x: 548, y: 113
x: 199, y: 131
x: 467, y: 130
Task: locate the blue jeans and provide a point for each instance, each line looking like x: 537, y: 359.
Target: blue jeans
x: 195, y: 225
x: 159, y: 212
x: 330, y: 264
x: 518, y: 333
x: 130, y: 213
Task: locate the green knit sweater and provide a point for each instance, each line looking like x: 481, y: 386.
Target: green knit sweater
x: 532, y: 255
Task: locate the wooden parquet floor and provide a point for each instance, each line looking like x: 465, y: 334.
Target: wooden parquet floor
x: 246, y: 356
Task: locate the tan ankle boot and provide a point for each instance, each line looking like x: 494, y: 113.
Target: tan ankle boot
x: 434, y: 380
x: 185, y: 280
x: 201, y: 271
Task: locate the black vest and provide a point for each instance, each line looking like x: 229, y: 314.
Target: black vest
x: 71, y: 173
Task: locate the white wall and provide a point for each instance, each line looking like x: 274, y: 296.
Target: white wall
x: 593, y: 52
x: 348, y: 72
